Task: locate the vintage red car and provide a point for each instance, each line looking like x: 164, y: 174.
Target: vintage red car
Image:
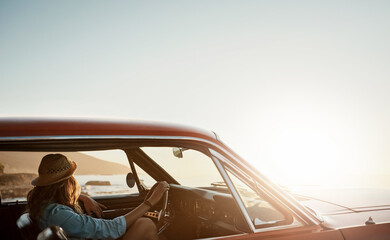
x: 214, y: 193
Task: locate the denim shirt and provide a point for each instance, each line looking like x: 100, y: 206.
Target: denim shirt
x: 78, y: 226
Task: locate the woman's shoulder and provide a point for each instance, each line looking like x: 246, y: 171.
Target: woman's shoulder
x: 57, y: 214
x: 54, y: 214
x: 56, y: 207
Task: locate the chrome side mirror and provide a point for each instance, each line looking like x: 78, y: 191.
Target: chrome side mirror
x: 130, y: 180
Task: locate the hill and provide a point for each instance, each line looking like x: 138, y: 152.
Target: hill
x: 28, y: 162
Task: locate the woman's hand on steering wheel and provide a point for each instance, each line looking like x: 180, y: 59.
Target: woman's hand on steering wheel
x: 156, y: 192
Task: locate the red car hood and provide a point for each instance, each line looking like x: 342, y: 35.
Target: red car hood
x: 334, y: 201
x: 346, y: 207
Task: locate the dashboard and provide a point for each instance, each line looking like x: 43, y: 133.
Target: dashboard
x: 208, y: 212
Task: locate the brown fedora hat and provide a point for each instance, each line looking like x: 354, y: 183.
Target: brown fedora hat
x: 54, y: 168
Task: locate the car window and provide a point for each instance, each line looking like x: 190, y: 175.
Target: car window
x: 106, y: 176
x: 146, y: 180
x: 192, y: 169
x: 18, y: 170
x: 260, y: 211
x: 99, y: 173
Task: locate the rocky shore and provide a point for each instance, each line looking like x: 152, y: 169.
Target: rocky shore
x: 15, y: 185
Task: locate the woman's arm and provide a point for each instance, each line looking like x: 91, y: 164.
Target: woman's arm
x: 91, y: 206
x: 154, y: 197
x: 82, y: 226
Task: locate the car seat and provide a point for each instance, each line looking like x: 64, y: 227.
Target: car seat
x: 29, y: 230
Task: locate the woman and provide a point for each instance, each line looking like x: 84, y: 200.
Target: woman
x: 54, y: 201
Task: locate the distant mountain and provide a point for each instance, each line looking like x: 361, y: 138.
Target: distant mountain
x: 28, y: 162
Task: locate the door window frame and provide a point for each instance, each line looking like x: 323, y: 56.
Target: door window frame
x: 233, y: 191
x: 222, y: 164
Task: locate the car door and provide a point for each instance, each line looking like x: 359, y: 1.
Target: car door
x: 267, y: 216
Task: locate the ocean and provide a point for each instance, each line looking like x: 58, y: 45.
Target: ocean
x: 117, y: 186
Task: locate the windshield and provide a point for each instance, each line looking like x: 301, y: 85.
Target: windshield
x: 193, y: 169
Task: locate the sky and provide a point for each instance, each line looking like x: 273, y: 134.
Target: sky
x: 300, y: 89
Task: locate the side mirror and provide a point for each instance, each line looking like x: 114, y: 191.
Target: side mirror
x: 130, y: 180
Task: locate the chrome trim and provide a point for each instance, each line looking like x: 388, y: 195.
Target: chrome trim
x: 263, y: 188
x: 216, y: 136
x: 64, y: 137
x: 234, y: 193
x: 294, y: 223
x: 247, y: 179
x: 241, y: 235
x: 300, y: 209
x: 315, y: 212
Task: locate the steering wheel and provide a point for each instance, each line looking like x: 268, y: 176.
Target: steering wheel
x: 162, y: 222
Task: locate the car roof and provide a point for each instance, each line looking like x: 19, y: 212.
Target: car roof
x: 40, y: 127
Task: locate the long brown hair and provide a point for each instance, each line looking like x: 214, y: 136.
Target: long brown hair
x: 65, y: 192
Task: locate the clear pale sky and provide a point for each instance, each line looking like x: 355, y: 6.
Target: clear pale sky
x: 301, y: 89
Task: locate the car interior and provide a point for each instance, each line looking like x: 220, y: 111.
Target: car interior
x: 199, y: 204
